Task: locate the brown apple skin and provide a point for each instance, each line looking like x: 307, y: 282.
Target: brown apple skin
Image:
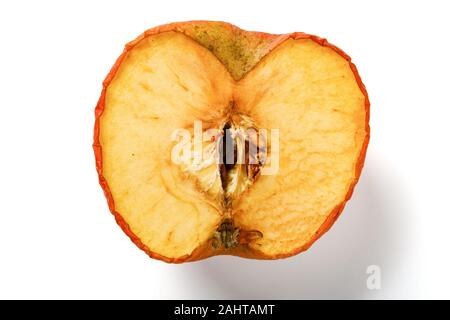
x: 267, y: 43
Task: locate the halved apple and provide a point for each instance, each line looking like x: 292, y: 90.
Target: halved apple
x: 295, y: 98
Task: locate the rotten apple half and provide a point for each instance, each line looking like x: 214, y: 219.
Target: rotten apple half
x: 295, y: 100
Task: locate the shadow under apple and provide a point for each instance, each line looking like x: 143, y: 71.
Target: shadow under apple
x: 367, y: 233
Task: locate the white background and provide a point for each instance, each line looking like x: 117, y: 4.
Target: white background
x: 57, y: 237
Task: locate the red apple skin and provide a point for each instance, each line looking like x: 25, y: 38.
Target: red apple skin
x: 206, y: 250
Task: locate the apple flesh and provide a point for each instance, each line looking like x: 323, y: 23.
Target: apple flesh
x: 231, y: 80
